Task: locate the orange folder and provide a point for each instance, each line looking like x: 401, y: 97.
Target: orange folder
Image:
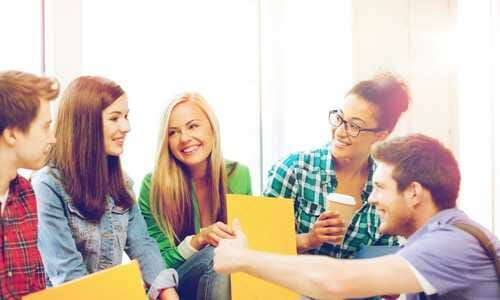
x: 269, y: 225
x: 120, y: 282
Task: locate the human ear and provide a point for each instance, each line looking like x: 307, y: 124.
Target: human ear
x: 9, y: 135
x: 413, y: 193
x: 382, y: 135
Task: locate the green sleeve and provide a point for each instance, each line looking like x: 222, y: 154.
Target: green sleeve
x: 169, y: 252
x: 240, y: 181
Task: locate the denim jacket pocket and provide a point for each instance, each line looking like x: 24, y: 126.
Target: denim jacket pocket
x: 120, y: 219
x: 85, y: 233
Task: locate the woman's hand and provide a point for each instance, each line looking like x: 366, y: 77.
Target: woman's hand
x: 328, y: 228
x: 211, y: 235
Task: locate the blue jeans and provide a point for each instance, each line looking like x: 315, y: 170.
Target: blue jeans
x: 199, y: 281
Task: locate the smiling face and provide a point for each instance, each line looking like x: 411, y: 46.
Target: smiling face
x: 190, y: 135
x: 363, y: 115
x: 33, y: 146
x: 393, y: 206
x: 115, y: 126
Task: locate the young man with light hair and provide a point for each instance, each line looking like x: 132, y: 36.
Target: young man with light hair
x: 447, y: 255
x: 25, y: 139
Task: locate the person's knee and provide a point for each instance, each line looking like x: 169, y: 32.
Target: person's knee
x: 206, y: 257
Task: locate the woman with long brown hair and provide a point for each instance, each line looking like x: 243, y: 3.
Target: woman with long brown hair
x: 87, y: 214
x: 183, y: 201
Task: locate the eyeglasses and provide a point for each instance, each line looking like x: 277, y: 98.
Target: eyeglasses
x: 335, y: 118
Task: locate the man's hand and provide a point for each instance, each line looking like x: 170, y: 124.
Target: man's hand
x: 229, y: 252
x: 169, y: 294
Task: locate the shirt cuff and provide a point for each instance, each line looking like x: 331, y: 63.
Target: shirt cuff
x: 185, y: 249
x: 166, y: 279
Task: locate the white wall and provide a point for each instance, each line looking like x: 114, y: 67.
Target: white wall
x: 305, y: 71
x: 413, y: 39
x: 478, y: 45
x: 448, y: 51
x: 271, y: 69
x: 20, y: 34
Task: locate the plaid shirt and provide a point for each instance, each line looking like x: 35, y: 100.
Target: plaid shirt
x: 21, y: 267
x: 307, y: 177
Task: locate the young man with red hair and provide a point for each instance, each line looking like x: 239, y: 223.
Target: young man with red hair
x: 25, y: 139
x: 447, y: 255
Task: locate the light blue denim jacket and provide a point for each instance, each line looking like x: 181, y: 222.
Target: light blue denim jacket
x: 73, y: 247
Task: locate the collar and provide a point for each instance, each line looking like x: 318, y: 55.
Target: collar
x: 439, y: 220
x: 328, y: 165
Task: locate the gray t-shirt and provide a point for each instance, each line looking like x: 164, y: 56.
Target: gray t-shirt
x: 452, y: 260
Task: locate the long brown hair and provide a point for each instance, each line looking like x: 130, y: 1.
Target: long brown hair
x: 89, y: 175
x: 170, y: 196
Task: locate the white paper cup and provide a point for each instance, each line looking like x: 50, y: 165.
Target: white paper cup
x: 343, y: 204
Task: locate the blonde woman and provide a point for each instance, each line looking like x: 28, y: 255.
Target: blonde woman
x: 183, y: 200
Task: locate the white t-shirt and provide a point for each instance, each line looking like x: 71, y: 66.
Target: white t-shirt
x: 3, y: 200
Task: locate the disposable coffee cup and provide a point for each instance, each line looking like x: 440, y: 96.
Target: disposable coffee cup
x: 345, y: 205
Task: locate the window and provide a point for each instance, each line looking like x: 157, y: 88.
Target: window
x: 479, y: 95
x: 270, y: 69
x: 21, y: 32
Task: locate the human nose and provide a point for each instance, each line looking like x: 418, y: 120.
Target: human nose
x: 125, y: 125
x: 372, y: 199
x: 341, y: 130
x: 185, y: 136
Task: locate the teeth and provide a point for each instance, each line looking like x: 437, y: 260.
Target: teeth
x: 190, y: 149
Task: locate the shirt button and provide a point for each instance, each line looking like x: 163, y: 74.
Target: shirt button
x: 9, y: 273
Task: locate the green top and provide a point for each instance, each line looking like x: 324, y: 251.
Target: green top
x: 239, y: 183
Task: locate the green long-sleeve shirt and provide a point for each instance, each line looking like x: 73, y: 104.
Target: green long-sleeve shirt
x: 239, y: 182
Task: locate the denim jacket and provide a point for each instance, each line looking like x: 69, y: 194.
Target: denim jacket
x: 73, y: 247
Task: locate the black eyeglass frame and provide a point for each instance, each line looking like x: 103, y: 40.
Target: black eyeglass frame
x: 339, y: 113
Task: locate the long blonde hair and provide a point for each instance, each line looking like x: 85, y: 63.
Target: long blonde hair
x: 170, y: 197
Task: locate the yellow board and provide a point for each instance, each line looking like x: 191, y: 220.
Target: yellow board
x: 269, y: 225
x: 120, y: 282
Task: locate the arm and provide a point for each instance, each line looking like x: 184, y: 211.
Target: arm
x: 62, y: 260
x: 323, y: 277
x: 142, y: 247
x: 282, y: 182
x: 168, y: 251
x: 318, y: 276
x: 173, y: 255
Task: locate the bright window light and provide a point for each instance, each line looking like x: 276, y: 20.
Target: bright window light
x: 289, y: 60
x: 476, y: 111
x: 20, y: 29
